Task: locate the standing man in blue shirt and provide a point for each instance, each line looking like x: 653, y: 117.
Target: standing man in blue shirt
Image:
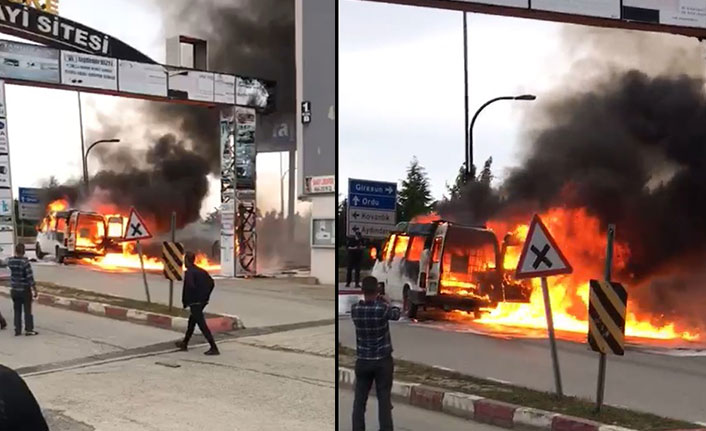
x: 371, y: 317
x: 23, y: 290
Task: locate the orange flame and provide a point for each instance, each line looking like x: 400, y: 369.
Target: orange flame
x: 581, y: 239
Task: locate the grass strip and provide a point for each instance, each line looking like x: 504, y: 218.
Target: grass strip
x: 413, y: 372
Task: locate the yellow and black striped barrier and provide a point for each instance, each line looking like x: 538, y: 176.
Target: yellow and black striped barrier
x: 173, y: 259
x: 606, y: 317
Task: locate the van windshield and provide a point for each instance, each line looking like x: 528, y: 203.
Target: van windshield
x: 90, y: 231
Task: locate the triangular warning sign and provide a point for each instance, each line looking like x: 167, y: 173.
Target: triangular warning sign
x: 541, y: 256
x: 136, y: 228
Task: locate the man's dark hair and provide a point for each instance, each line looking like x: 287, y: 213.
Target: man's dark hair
x: 20, y: 249
x: 189, y: 258
x: 370, y: 285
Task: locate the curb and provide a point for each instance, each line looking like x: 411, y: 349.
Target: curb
x: 220, y: 323
x: 481, y: 409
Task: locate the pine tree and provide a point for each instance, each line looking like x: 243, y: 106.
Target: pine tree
x: 461, y: 181
x: 486, y: 175
x: 414, y: 197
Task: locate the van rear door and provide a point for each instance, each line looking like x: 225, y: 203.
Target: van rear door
x: 434, y: 273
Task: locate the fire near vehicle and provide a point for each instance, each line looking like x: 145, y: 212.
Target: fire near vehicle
x: 448, y: 266
x: 78, y: 234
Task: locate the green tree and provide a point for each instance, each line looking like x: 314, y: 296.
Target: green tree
x: 486, y: 175
x: 414, y: 197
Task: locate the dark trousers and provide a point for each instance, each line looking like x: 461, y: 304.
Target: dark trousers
x: 379, y: 371
x: 22, y: 302
x: 197, y: 318
x: 353, y: 265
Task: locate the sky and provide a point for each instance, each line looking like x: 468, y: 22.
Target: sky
x: 401, y: 88
x: 43, y: 124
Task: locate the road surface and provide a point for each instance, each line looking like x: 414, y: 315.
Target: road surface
x: 259, y: 302
x: 405, y: 417
x: 666, y: 385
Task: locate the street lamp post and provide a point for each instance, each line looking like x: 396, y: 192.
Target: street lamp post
x: 469, y: 150
x: 85, y: 160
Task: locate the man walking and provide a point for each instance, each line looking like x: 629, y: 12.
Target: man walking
x: 23, y: 290
x: 371, y: 317
x: 355, y: 257
x: 196, y: 293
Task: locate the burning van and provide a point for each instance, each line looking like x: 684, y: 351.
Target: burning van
x: 75, y: 234
x: 448, y: 266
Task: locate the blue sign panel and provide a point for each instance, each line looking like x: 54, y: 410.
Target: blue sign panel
x: 372, y: 202
x: 372, y: 188
x: 29, y: 196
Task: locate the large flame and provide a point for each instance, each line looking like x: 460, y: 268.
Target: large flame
x: 583, y: 242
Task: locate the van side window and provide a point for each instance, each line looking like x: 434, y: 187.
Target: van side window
x: 436, y: 250
x: 401, y: 246
x: 414, y: 253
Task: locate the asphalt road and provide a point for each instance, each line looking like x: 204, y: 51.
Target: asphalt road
x: 665, y: 385
x: 259, y: 302
x: 405, y: 417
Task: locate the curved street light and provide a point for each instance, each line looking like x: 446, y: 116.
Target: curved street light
x: 469, y: 150
x: 85, y: 159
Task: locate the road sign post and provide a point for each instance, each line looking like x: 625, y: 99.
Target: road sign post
x: 602, y: 359
x: 541, y: 257
x: 135, y: 231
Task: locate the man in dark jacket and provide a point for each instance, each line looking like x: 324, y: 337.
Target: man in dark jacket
x: 23, y: 290
x: 198, y: 286
x: 19, y: 410
x: 355, y: 246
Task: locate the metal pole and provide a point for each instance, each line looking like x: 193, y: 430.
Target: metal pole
x: 466, y: 132
x: 83, y: 145
x: 291, y: 195
x: 144, y: 275
x: 171, y: 282
x: 281, y: 186
x: 602, y: 358
x: 552, y: 340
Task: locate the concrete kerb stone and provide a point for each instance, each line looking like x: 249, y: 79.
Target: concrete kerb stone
x: 458, y: 404
x: 533, y: 419
x: 481, y: 409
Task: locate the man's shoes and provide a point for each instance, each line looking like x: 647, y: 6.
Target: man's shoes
x: 181, y: 346
x: 17, y: 334
x: 357, y: 286
x: 31, y: 333
x: 212, y: 352
x: 3, y: 324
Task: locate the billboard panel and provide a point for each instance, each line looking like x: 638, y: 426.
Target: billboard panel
x: 191, y: 85
x: 686, y: 13
x: 5, y: 172
x: 86, y: 70
x: 224, y: 89
x: 245, y: 150
x: 598, y: 8
x: 141, y: 78
x: 29, y: 62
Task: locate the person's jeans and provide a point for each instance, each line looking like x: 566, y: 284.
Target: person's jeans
x: 22, y: 301
x: 197, y: 318
x: 366, y: 372
x: 353, y: 265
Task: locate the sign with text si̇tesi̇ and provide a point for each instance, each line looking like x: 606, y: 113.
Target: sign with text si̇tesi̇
x: 372, y: 207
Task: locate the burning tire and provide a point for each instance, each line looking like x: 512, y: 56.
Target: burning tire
x: 408, y: 307
x: 38, y: 251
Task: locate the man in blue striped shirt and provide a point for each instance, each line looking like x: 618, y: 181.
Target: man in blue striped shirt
x: 371, y: 317
x: 23, y: 290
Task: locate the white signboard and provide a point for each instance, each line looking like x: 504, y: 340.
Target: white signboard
x: 598, y: 8
x: 686, y: 13
x: 5, y: 172
x: 4, y: 146
x: 325, y: 184
x: 191, y: 85
x: 250, y: 92
x: 29, y: 62
x: 139, y: 78
x: 224, y: 89
x: 85, y: 70
x: 512, y: 3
